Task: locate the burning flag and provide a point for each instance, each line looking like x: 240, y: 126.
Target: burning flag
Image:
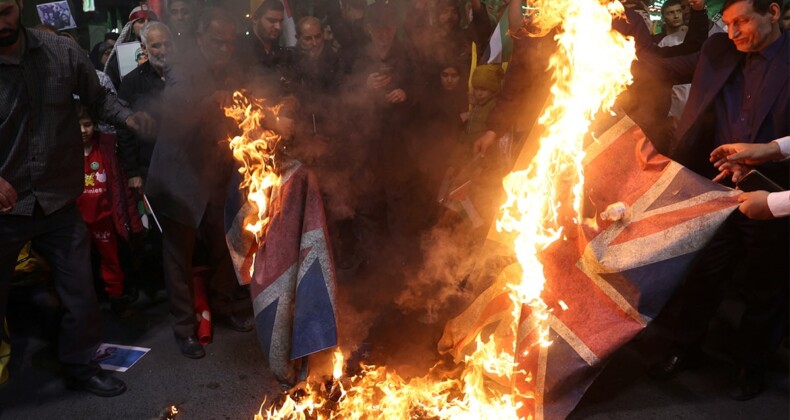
x: 279, y: 244
x: 605, y: 280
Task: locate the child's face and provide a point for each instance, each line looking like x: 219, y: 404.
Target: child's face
x: 86, y: 127
x: 482, y: 95
x: 450, y: 79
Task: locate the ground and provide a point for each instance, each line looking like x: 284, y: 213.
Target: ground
x: 232, y: 381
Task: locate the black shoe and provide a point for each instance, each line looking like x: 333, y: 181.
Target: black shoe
x: 241, y: 323
x: 748, y: 384
x: 190, y: 347
x: 102, y: 384
x: 673, y: 364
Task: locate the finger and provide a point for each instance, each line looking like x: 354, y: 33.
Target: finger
x: 720, y: 176
x: 738, y: 156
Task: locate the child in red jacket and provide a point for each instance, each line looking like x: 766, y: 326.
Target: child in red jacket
x: 107, y: 205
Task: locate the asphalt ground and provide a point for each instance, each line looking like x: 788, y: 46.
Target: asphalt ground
x: 231, y: 382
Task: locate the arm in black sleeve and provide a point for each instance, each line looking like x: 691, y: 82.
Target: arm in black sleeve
x: 128, y: 149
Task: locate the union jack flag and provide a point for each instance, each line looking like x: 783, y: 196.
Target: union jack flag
x: 291, y: 273
x: 604, y: 283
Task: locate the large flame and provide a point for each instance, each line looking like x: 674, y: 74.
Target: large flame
x: 254, y: 149
x: 590, y: 68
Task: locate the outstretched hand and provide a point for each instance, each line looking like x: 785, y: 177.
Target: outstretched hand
x: 751, y: 154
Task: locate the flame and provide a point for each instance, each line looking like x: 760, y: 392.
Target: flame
x: 590, y: 68
x: 254, y: 149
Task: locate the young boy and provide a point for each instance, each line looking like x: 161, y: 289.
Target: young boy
x: 106, y: 205
x: 486, y: 86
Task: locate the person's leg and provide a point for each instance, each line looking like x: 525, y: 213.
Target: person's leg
x: 14, y: 233
x: 230, y: 302
x: 62, y: 240
x: 765, y: 296
x: 104, y: 237
x: 178, y: 242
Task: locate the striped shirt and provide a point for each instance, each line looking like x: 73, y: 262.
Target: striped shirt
x: 41, y: 152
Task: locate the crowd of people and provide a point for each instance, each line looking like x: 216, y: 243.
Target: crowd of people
x: 390, y: 103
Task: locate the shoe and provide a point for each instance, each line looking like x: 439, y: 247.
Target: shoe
x: 748, y: 384
x: 102, y: 384
x: 673, y: 364
x: 241, y: 323
x: 190, y: 347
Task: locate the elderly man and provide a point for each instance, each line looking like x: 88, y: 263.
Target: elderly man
x: 41, y: 175
x: 316, y: 67
x: 189, y: 175
x: 739, y: 93
x: 142, y: 89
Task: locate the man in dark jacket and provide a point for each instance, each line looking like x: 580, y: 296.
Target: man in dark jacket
x: 190, y: 171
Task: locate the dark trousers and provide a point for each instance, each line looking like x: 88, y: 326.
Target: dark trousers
x: 178, y: 246
x: 62, y: 240
x: 763, y: 247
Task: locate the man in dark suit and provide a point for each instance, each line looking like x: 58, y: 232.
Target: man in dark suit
x: 739, y: 93
x: 189, y: 174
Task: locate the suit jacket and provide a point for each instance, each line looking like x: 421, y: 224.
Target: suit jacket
x: 708, y: 71
x: 192, y: 162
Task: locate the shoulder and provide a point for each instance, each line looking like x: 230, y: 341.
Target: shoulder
x: 718, y: 43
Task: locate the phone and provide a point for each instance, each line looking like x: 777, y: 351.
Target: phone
x: 756, y: 181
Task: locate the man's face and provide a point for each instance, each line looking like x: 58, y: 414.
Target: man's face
x: 159, y: 47
x: 270, y: 25
x: 10, y: 22
x: 218, y: 43
x: 749, y: 30
x: 137, y: 25
x: 180, y: 17
x: 450, y: 79
x: 382, y: 35
x: 448, y: 17
x: 673, y: 16
x: 311, y: 39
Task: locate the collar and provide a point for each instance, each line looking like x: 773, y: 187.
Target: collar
x: 769, y: 52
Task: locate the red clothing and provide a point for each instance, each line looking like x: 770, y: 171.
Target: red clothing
x: 105, y: 240
x: 95, y: 202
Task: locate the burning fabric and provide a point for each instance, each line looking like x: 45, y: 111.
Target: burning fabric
x: 277, y: 235
x: 606, y: 280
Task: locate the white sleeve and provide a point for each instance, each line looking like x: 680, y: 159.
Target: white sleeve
x: 779, y: 203
x: 784, y: 146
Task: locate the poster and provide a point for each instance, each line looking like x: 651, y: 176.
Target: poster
x: 127, y: 56
x: 118, y: 358
x: 56, y: 14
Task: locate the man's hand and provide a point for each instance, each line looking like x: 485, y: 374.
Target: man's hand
x: 483, y: 143
x: 731, y: 169
x: 7, y: 196
x: 754, y: 205
x: 396, y: 96
x: 136, y: 183
x: 745, y: 153
x: 142, y: 123
x: 378, y: 80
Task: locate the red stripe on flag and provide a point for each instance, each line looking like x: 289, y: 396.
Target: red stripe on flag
x: 664, y: 221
